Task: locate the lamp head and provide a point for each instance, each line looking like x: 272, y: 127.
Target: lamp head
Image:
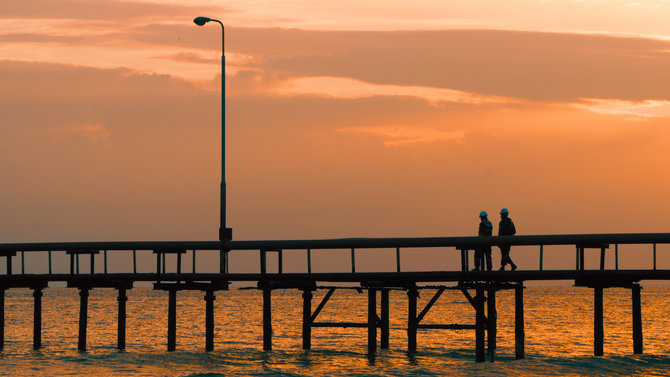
x: 201, y: 20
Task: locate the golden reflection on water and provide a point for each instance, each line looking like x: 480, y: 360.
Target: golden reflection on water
x: 558, y: 324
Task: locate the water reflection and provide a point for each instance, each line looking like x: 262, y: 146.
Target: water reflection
x: 559, y: 336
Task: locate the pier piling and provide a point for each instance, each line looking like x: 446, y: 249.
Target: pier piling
x: 491, y: 322
x: 480, y: 327
x: 83, y: 317
x: 637, y: 319
x: 209, y: 319
x: 384, y: 302
x: 2, y: 318
x: 37, y: 318
x: 267, y: 319
x: 172, y: 320
x: 519, y: 331
x: 372, y: 320
x: 412, y: 325
x: 306, y: 318
x: 121, y: 338
x: 598, y: 331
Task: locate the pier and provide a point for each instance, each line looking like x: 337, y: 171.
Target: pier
x: 478, y: 287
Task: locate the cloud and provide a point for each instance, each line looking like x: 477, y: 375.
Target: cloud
x: 526, y: 65
x: 90, y: 132
x: 99, y: 9
x: 393, y: 136
x: 635, y: 110
x: 191, y: 57
x: 340, y: 87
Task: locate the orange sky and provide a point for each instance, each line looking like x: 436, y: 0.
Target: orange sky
x: 345, y: 119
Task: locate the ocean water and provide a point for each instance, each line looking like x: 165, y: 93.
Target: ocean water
x: 558, y: 323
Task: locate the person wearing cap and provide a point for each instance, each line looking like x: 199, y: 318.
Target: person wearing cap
x: 506, y: 228
x: 484, y: 252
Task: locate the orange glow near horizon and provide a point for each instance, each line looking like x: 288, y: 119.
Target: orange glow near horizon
x: 407, y: 124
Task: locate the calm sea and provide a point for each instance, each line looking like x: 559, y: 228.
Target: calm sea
x: 559, y: 333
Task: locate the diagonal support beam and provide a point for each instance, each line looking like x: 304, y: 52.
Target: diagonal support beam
x: 322, y: 304
x: 429, y: 305
x: 470, y: 298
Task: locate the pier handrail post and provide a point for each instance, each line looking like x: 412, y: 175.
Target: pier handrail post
x: 9, y: 264
x: 654, y: 256
x: 263, y: 255
x: 397, y: 258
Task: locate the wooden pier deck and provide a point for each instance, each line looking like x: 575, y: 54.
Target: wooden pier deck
x: 479, y: 287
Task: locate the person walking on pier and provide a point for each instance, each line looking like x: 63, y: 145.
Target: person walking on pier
x: 506, y: 228
x: 484, y: 252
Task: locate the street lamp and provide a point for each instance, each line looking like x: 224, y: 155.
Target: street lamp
x: 225, y: 234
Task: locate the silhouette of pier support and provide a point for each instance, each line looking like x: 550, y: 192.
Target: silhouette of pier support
x: 209, y: 319
x: 637, y: 319
x: 2, y: 318
x: 598, y: 328
x: 372, y: 320
x: 37, y: 317
x: 172, y: 320
x: 384, y: 319
x: 121, y: 323
x: 267, y: 319
x: 412, y: 323
x: 480, y: 326
x: 598, y: 331
x: 519, y: 330
x: 209, y: 289
x: 373, y: 323
x: 307, y: 318
x: 83, y: 317
x: 491, y: 323
x: 485, y: 313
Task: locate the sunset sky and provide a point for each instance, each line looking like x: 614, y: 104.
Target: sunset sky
x: 366, y: 118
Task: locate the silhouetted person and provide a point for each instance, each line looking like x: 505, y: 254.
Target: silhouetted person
x: 506, y: 228
x: 484, y: 252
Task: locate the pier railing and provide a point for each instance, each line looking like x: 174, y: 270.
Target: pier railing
x: 15, y: 253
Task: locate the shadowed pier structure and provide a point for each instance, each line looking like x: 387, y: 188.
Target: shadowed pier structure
x: 478, y: 287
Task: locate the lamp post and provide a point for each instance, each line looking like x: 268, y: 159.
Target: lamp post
x: 225, y: 234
